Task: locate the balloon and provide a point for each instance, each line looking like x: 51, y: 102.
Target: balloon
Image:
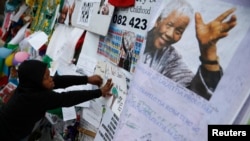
x: 21, y: 56
x: 14, y: 62
x: 9, y: 60
x: 4, y: 52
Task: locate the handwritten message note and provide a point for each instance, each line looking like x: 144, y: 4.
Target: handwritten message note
x: 119, y: 91
x: 170, y: 111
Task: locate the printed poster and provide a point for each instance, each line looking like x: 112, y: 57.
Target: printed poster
x: 194, y: 51
x: 122, y: 45
x: 172, y: 111
x: 93, y: 15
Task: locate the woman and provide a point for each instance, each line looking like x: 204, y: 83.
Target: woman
x: 34, y: 95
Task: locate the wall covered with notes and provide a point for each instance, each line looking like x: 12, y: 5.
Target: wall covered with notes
x: 177, y: 65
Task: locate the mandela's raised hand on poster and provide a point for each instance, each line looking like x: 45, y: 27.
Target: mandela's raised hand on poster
x: 213, y: 31
x: 208, y: 34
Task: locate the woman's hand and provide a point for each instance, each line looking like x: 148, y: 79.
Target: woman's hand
x: 95, y: 80
x: 106, y: 88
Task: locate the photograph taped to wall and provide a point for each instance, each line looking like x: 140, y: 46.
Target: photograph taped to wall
x: 93, y: 16
x: 121, y: 47
x: 65, y: 15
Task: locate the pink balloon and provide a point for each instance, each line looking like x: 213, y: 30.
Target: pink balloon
x: 21, y: 56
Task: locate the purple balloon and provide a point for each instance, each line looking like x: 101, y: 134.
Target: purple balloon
x: 14, y: 62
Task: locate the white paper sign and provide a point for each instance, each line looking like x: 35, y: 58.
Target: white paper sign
x: 37, y: 39
x: 92, y: 15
